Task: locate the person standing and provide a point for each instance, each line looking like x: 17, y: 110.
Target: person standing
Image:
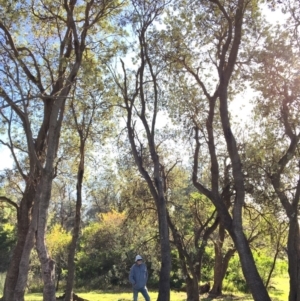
x: 138, y: 277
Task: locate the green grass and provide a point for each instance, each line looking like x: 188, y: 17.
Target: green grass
x: 175, y: 296
x: 104, y: 296
x: 278, y: 292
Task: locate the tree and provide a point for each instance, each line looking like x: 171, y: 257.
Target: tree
x: 276, y: 77
x: 37, y: 78
x: 192, y: 220
x: 209, y: 60
x: 83, y: 114
x: 142, y: 98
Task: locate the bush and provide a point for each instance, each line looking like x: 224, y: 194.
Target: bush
x: 234, y: 279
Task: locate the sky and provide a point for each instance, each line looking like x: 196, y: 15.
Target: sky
x: 240, y: 107
x: 6, y: 160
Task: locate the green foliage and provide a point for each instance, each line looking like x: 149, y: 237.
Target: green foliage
x: 264, y: 263
x: 207, y: 264
x: 235, y: 281
x: 58, y: 240
x: 7, y: 238
x: 177, y: 279
x: 100, y: 261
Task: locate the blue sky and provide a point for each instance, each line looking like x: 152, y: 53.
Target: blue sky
x: 237, y: 108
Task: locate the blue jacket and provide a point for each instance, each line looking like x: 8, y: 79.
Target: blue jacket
x: 138, y: 276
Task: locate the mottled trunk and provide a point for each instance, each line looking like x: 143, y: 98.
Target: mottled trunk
x: 28, y: 246
x: 24, y: 218
x: 294, y: 259
x: 47, y: 264
x: 20, y: 287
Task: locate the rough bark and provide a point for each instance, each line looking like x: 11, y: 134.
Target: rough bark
x: 75, y: 235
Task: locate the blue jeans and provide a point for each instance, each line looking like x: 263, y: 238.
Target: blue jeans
x: 143, y: 291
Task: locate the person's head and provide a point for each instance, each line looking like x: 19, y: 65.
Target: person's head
x: 138, y: 259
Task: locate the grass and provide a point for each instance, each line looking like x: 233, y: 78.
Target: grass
x: 175, y: 296
x: 278, y: 291
x: 111, y: 296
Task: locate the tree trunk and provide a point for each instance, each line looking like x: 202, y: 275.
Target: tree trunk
x: 76, y: 228
x: 24, y: 218
x: 220, y: 268
x: 164, y: 278
x: 192, y: 289
x: 294, y: 259
x: 47, y: 264
x: 250, y: 272
x: 221, y: 263
x: 37, y: 227
x: 20, y: 287
x: 154, y: 175
x: 253, y: 279
x: 16, y: 277
x: 59, y: 272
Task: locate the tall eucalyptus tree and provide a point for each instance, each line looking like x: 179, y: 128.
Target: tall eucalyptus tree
x: 42, y: 49
x: 203, y: 44
x: 276, y: 154
x: 142, y: 94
